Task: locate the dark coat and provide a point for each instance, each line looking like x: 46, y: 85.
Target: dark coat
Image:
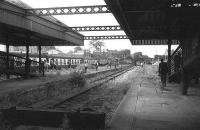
x: 163, y: 69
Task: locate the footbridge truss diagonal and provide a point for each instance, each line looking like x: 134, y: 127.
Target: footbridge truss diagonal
x: 68, y: 10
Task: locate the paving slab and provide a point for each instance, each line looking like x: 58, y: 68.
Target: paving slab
x: 148, y: 107
x: 123, y: 118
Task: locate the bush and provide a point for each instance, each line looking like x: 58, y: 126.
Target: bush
x: 80, y: 68
x: 77, y: 79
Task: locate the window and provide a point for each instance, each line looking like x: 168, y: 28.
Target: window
x: 72, y: 61
x: 65, y: 61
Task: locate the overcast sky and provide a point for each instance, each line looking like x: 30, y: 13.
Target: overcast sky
x: 94, y: 20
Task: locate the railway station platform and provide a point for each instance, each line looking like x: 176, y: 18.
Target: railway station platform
x: 148, y: 107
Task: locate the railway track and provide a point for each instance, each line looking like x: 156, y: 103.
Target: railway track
x: 101, y: 98
x: 95, y: 83
x: 24, y: 114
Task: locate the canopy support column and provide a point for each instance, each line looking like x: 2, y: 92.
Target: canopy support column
x: 40, y: 64
x: 185, y: 81
x: 27, y: 65
x: 7, y: 58
x: 169, y: 56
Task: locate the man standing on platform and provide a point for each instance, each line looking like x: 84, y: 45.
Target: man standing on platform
x: 163, y: 70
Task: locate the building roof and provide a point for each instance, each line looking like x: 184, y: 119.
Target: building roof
x: 23, y: 5
x: 18, y: 30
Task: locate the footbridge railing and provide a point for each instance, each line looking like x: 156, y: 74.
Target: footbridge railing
x: 16, y: 65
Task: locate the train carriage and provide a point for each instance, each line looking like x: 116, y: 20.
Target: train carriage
x: 59, y: 60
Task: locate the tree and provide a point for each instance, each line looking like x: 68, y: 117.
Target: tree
x: 137, y: 57
x: 97, y: 45
x: 78, y: 48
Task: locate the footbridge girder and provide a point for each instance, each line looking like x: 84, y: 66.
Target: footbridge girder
x: 105, y: 37
x: 68, y: 10
x: 96, y: 28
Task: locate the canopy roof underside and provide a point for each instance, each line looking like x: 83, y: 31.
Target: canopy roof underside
x: 18, y: 29
x: 154, y: 19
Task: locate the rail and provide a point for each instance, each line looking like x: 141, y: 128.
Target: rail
x: 17, y: 65
x: 95, y: 83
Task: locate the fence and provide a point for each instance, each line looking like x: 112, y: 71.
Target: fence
x: 19, y: 65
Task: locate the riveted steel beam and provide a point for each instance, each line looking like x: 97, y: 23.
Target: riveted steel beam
x: 68, y: 10
x: 105, y: 37
x: 96, y: 28
x: 112, y: 28
x: 154, y: 42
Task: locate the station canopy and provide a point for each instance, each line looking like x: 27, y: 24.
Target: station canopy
x: 18, y: 29
x: 146, y: 21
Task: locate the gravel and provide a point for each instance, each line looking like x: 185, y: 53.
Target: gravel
x: 105, y: 98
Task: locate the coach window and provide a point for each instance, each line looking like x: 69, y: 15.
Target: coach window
x: 64, y: 61
x: 60, y: 61
x: 72, y: 62
x: 67, y: 61
x: 55, y: 61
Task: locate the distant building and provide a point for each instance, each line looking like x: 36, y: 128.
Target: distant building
x: 2, y: 48
x: 32, y: 49
x: 21, y: 49
x: 53, y: 52
x: 158, y: 57
x: 87, y: 54
x: 119, y: 54
x: 139, y: 58
x: 80, y: 52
